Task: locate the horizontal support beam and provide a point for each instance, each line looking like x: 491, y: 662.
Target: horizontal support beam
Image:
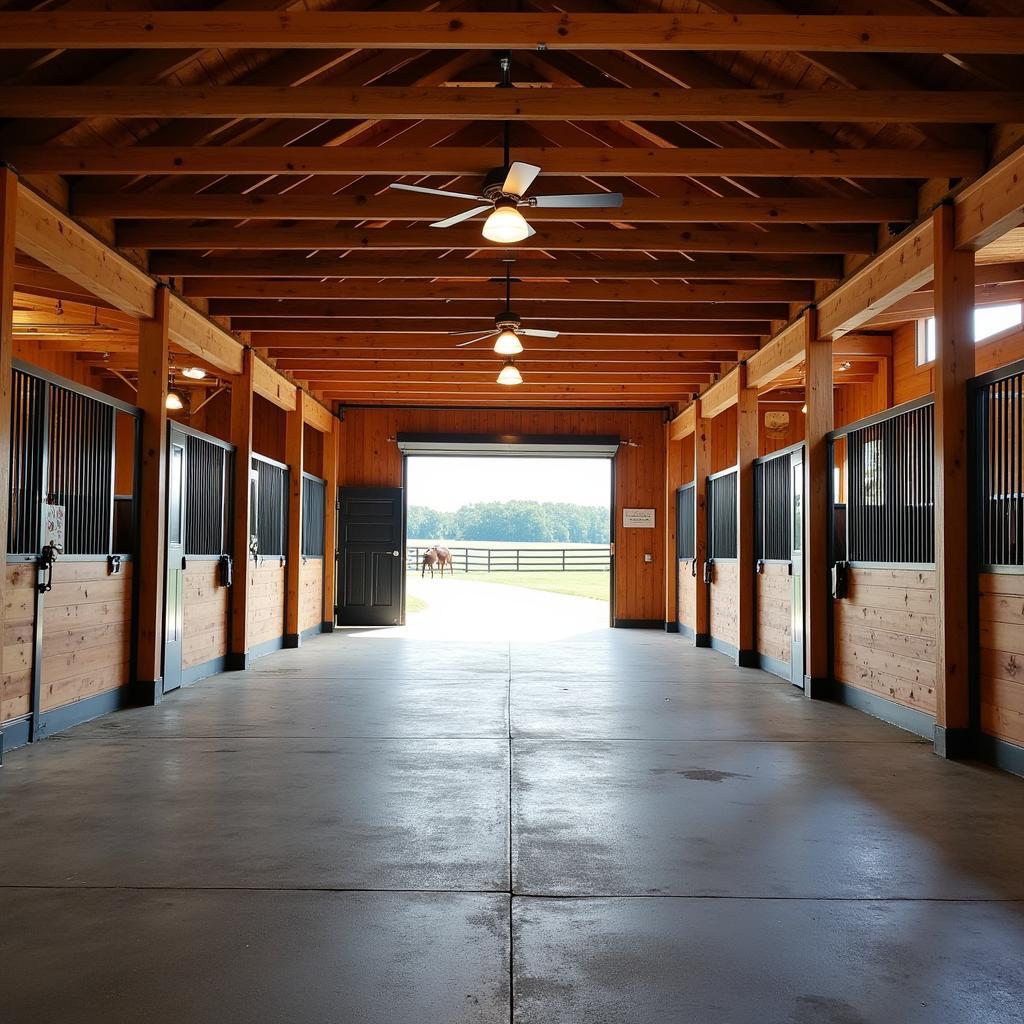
x: 610, y: 391
x: 457, y: 293
x: 721, y: 396
x: 472, y: 30
x: 421, y: 267
x: 314, y: 325
x: 485, y: 310
x: 330, y: 103
x: 450, y: 160
x: 684, y: 424
x: 318, y: 417
x: 398, y: 206
x: 782, y: 354
x: 994, y: 204
x: 303, y: 237
x: 271, y: 385
x: 418, y: 342
x: 445, y: 378
x: 202, y: 338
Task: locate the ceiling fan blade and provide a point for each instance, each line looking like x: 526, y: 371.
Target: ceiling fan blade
x: 460, y: 217
x: 519, y: 178
x: 473, y: 341
x: 592, y: 200
x: 401, y: 186
x: 534, y: 333
x: 530, y: 231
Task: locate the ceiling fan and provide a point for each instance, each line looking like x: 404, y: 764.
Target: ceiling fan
x: 504, y: 192
x: 507, y: 326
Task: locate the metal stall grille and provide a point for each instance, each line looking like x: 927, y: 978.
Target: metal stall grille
x: 890, y: 507
x: 28, y: 418
x: 271, y: 508
x: 313, y: 497
x: 999, y: 444
x: 686, y: 523
x: 722, y: 488
x: 772, y: 533
x: 208, y: 474
x: 81, y: 470
x: 63, y: 452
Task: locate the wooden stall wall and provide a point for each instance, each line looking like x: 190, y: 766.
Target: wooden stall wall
x: 779, y: 426
x: 205, y: 630
x: 774, y: 604
x: 268, y: 429
x: 87, y: 632
x: 369, y: 457
x: 266, y: 604
x: 725, y: 599
x: 884, y: 635
x: 687, y: 613
x: 18, y: 639
x: 1001, y: 658
x: 311, y: 588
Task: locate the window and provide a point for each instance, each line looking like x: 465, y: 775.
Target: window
x: 988, y: 320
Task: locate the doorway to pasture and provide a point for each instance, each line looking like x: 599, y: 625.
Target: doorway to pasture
x: 508, y: 546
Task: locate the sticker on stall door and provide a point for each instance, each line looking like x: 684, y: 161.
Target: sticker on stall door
x: 53, y: 526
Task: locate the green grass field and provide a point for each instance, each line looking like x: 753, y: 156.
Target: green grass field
x: 575, y: 584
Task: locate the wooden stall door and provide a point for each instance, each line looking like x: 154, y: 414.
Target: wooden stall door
x: 370, y: 543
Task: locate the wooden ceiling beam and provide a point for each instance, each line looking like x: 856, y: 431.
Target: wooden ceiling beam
x: 427, y: 267
x: 446, y: 104
x: 485, y: 311
x: 682, y: 328
x: 632, y: 161
x: 606, y: 293
x: 443, y: 376
x: 403, y: 206
x: 298, y: 343
x: 307, y: 237
x: 468, y: 30
x: 311, y: 369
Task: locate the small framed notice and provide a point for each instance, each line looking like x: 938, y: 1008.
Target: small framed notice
x: 638, y: 518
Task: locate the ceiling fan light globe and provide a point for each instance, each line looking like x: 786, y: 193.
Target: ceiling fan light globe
x: 510, y: 374
x: 508, y: 344
x: 506, y: 224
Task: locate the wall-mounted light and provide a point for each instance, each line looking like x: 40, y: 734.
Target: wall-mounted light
x: 174, y: 401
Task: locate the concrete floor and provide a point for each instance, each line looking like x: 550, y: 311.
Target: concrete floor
x: 613, y: 827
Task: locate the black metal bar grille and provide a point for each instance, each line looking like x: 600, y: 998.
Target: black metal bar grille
x: 891, y: 489
x: 271, y: 507
x: 207, y: 486
x: 772, y: 534
x: 81, y: 461
x: 722, y: 515
x: 27, y: 442
x: 313, y: 496
x: 1000, y: 439
x: 686, y: 523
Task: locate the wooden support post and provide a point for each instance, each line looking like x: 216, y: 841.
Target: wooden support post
x: 746, y: 453
x: 673, y: 479
x: 954, y: 367
x: 818, y: 423
x: 331, y: 442
x: 294, y: 431
x: 154, y: 342
x: 8, y: 212
x: 701, y: 468
x: 241, y: 437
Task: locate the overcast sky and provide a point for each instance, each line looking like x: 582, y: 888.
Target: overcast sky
x: 445, y: 484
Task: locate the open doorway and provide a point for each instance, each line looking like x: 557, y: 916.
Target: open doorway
x: 508, y: 546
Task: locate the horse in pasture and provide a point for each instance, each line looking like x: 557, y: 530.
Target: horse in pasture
x: 439, y: 556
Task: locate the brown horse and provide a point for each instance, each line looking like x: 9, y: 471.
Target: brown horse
x: 439, y: 556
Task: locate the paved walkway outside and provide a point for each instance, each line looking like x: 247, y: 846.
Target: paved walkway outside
x: 608, y: 830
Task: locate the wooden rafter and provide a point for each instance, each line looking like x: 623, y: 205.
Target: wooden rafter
x: 531, y: 31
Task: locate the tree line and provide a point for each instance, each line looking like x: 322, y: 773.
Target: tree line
x: 523, y: 521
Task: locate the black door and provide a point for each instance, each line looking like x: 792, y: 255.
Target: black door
x: 370, y: 562
x: 174, y: 593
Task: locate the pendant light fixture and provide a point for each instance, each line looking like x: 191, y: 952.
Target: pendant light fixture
x: 506, y: 224
x: 510, y: 374
x: 508, y: 344
x: 175, y: 400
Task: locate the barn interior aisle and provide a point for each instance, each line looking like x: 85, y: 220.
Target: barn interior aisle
x: 416, y: 831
